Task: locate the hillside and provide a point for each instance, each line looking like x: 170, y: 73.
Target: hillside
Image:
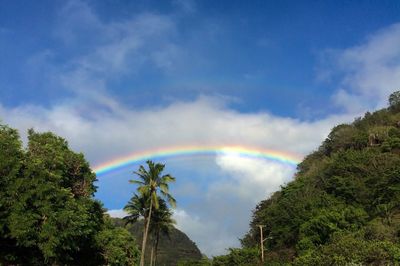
x: 176, y: 247
x: 343, y: 205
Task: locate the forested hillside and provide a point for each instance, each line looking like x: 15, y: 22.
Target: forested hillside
x: 172, y: 248
x: 343, y: 205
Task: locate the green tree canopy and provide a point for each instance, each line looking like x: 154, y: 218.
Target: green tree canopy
x: 394, y: 100
x: 47, y: 212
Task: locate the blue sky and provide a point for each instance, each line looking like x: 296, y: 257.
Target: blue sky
x: 119, y: 77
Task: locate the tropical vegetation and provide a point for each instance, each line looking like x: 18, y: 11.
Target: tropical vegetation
x: 161, y: 222
x: 48, y: 215
x: 152, y: 187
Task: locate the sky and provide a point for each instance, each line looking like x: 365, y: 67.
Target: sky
x: 117, y: 78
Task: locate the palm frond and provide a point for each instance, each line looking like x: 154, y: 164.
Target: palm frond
x: 138, y: 182
x: 171, y: 201
x: 144, y: 190
x: 167, y: 178
x: 164, y: 187
x: 131, y: 219
x: 155, y: 200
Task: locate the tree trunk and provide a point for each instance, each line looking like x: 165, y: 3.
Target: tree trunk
x: 145, y: 233
x: 152, y: 255
x: 156, y: 246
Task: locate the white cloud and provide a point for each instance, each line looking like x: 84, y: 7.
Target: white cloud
x: 209, y: 235
x: 226, y: 206
x: 369, y: 72
x: 251, y: 179
x: 187, y: 223
x: 114, y: 48
x: 94, y: 126
x: 118, y: 213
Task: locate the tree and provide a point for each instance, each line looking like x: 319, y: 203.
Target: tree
x: 150, y: 183
x: 47, y: 212
x: 161, y: 223
x: 50, y: 213
x: 137, y: 207
x: 236, y: 256
x: 161, y: 219
x: 11, y: 155
x: 394, y: 100
x: 118, y: 245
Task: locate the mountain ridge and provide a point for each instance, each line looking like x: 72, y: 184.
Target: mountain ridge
x: 173, y: 249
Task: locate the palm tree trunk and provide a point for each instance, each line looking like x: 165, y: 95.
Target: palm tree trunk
x: 156, y: 246
x: 145, y: 233
x: 152, y: 255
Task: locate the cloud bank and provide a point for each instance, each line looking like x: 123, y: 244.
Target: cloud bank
x: 238, y: 183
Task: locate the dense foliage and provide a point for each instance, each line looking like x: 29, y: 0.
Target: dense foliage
x: 47, y: 212
x: 343, y: 206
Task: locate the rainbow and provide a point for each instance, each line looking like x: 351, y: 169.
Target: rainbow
x: 185, y: 151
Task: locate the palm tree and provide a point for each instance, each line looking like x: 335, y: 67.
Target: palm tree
x: 137, y: 207
x: 162, y: 222
x: 161, y: 219
x: 150, y: 183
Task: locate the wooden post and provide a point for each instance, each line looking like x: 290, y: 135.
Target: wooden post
x: 262, y: 242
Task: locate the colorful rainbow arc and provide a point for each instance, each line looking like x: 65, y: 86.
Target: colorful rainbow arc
x: 279, y: 156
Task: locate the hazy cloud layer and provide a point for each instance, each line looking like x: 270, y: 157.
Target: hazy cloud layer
x: 205, y: 121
